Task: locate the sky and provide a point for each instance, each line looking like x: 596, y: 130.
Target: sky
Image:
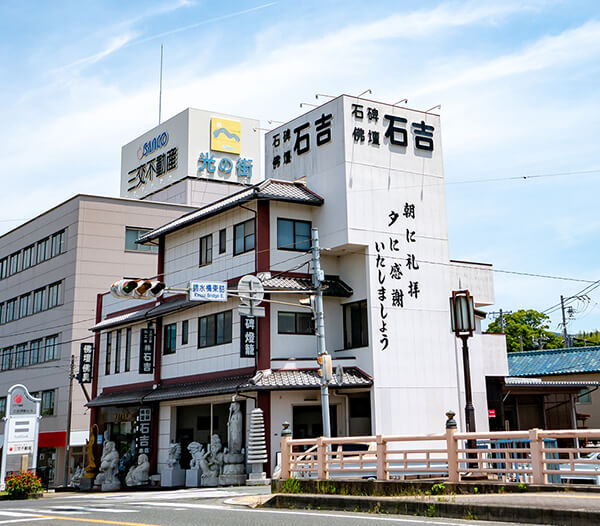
x: 517, y: 82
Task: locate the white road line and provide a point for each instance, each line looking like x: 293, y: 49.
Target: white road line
x: 17, y: 514
x: 12, y: 521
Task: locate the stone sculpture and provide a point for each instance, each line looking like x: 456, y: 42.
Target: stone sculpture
x: 214, y: 462
x: 174, y: 455
x: 233, y: 457
x: 76, y: 477
x: 198, y: 465
x: 109, y: 465
x: 139, y: 474
x: 257, y: 448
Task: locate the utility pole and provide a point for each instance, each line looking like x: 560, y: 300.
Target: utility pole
x: 325, y: 360
x: 69, y: 411
x: 501, y: 314
x: 562, y: 308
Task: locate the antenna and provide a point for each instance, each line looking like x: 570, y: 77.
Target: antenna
x: 160, y: 86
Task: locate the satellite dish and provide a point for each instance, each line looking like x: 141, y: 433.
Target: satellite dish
x: 250, y: 290
x: 339, y: 375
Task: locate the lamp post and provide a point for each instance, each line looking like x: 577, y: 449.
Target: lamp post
x: 462, y: 316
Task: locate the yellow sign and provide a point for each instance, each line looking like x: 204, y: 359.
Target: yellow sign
x: 225, y: 135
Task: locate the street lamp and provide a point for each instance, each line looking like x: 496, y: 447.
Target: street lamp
x: 462, y: 316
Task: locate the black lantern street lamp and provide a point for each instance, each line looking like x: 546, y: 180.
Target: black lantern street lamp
x: 462, y: 316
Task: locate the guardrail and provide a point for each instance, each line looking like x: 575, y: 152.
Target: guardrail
x: 532, y: 456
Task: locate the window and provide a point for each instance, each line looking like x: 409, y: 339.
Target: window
x: 2, y: 312
x: 47, y: 403
x: 108, y: 353
x: 584, y: 397
x: 170, y: 340
x: 3, y: 268
x: 7, y: 358
x: 127, y: 350
x: 293, y: 234
x: 39, y: 300
x: 28, y: 256
x: 3, y: 407
x: 214, y: 329
x: 11, y: 309
x: 14, y: 263
x: 295, y: 323
x: 22, y: 357
x: 51, y: 348
x: 54, y: 294
x: 24, y: 305
x: 43, y: 250
x: 355, y: 325
x: 118, y: 352
x: 206, y: 250
x: 184, y: 332
x: 132, y: 234
x: 35, y: 352
x: 58, y: 243
x: 243, y: 234
x: 222, y: 241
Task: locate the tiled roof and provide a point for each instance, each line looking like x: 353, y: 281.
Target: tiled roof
x: 538, y: 382
x: 120, y: 397
x: 193, y: 389
x: 333, y: 285
x: 554, y: 361
x: 271, y: 190
x: 309, y: 378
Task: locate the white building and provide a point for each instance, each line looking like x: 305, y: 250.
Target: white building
x: 369, y: 176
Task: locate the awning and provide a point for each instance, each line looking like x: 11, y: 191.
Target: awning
x: 332, y: 285
x: 120, y: 398
x: 538, y: 382
x: 204, y: 388
x: 308, y: 379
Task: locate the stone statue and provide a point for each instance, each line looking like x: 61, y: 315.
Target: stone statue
x: 90, y: 469
x: 174, y: 455
x: 76, y: 477
x: 234, y: 429
x: 215, y: 455
x: 109, y: 465
x: 198, y: 460
x: 140, y: 473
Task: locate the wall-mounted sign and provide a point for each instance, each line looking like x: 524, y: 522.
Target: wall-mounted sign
x: 143, y: 426
x: 225, y: 135
x: 19, y: 451
x: 248, y: 336
x: 151, y: 146
x: 208, y: 291
x: 155, y: 167
x: 146, y: 351
x: 86, y: 352
x: 491, y: 413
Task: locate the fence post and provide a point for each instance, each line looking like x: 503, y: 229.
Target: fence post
x: 452, y: 448
x: 286, y: 435
x: 322, y: 473
x: 537, y: 456
x: 381, y: 458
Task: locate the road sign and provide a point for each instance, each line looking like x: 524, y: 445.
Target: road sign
x: 208, y: 291
x: 251, y: 290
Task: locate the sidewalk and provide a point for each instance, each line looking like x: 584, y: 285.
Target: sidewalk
x: 564, y: 508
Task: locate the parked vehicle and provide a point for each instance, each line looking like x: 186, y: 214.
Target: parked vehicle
x: 588, y: 471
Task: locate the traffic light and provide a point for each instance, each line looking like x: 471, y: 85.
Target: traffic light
x: 327, y: 368
x: 139, y: 289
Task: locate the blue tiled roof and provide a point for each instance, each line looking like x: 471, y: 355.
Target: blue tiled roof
x: 554, y: 361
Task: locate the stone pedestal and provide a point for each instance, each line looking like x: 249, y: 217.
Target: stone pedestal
x: 192, y: 478
x: 111, y: 486
x: 173, y: 477
x: 86, y: 484
x: 233, y: 479
x: 210, y: 480
x: 258, y: 479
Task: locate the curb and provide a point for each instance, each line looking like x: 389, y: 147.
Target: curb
x: 426, y: 508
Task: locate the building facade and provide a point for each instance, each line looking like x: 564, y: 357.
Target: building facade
x: 50, y: 271
x: 369, y: 177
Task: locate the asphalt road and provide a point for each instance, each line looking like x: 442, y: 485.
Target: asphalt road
x: 210, y: 507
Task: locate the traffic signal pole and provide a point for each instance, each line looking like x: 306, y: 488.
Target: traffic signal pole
x: 318, y: 277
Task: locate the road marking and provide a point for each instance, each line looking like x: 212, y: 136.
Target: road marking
x: 17, y: 514
x: 97, y: 521
x: 28, y: 519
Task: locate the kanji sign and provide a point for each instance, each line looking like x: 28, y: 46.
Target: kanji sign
x: 208, y: 291
x: 146, y: 351
x: 143, y: 427
x: 248, y: 336
x: 86, y: 352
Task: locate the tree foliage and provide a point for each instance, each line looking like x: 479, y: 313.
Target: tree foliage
x: 527, y: 326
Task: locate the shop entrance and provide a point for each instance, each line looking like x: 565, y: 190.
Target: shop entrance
x: 308, y: 422
x: 197, y: 423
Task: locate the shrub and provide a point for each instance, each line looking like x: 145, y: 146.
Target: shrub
x: 22, y: 485
x: 290, y: 485
x: 438, y: 489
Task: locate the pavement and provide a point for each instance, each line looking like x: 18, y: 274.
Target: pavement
x: 559, y: 508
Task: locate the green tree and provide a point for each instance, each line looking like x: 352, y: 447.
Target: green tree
x: 587, y: 339
x: 526, y: 325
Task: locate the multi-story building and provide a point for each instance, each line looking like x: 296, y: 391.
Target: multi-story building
x: 51, y: 269
x: 369, y: 177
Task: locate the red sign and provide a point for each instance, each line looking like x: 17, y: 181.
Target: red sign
x: 18, y: 398
x: 491, y: 413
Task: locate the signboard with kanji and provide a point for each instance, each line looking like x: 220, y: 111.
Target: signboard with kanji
x: 146, y: 351
x: 86, y: 352
x: 143, y: 427
x: 208, y: 291
x: 248, y: 336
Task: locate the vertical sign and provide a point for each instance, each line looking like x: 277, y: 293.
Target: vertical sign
x: 20, y: 432
x: 86, y: 351
x: 146, y: 351
x: 248, y: 339
x: 144, y: 423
